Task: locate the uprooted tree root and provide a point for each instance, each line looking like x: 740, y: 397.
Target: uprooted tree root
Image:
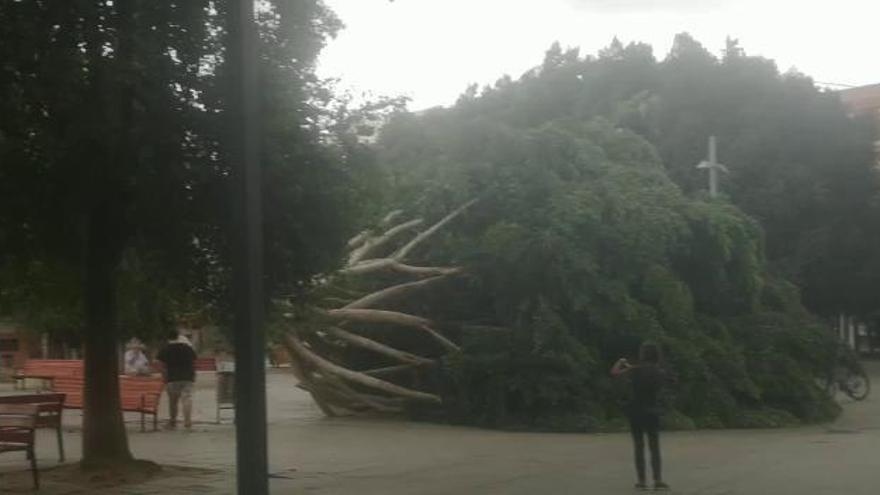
x: 336, y: 386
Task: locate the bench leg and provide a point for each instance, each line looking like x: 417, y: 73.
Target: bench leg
x: 156, y: 419
x: 143, y: 420
x: 60, y: 443
x: 34, y: 471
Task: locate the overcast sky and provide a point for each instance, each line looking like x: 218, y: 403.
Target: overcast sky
x: 430, y: 50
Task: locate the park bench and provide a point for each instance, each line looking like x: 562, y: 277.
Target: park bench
x: 18, y: 422
x: 48, y: 369
x: 141, y: 394
x: 205, y: 364
x: 138, y: 394
x: 50, y: 407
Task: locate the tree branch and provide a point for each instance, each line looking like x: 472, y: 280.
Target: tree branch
x: 377, y: 403
x: 405, y: 250
x: 372, y: 243
x: 367, y: 266
x: 336, y: 402
x: 302, y: 376
x: 391, y: 216
x: 357, y: 377
x: 392, y: 292
x: 424, y: 271
x: 381, y: 316
x: 378, y: 264
x: 448, y: 344
x: 378, y: 347
x: 389, y: 370
x: 359, y: 239
x: 377, y: 316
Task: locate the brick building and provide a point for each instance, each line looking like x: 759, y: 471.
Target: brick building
x: 861, y: 101
x: 864, y: 100
x: 14, y: 348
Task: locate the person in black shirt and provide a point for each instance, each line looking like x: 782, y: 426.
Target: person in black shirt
x: 178, y: 360
x: 646, y: 379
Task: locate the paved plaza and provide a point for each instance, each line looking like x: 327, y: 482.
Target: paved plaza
x: 311, y: 454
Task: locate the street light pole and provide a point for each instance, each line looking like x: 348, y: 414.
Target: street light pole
x: 249, y: 340
x: 713, y: 166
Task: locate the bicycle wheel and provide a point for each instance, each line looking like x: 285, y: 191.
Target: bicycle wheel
x: 857, y: 386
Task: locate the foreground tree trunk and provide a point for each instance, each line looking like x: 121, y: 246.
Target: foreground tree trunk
x: 104, y: 437
x: 105, y: 441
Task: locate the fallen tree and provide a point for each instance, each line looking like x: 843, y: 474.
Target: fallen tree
x: 508, y: 312
x: 511, y: 316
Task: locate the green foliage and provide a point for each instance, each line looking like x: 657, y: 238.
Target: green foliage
x: 45, y: 297
x: 536, y: 377
x: 151, y: 149
x: 582, y: 246
x: 798, y: 164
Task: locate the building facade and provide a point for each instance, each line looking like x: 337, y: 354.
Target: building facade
x: 14, y: 349
x: 865, y: 101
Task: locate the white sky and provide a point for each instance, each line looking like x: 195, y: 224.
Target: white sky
x: 430, y: 50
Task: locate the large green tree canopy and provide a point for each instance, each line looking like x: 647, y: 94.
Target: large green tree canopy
x: 798, y: 164
x: 590, y: 236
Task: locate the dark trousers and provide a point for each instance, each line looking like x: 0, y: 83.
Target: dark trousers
x: 646, y: 425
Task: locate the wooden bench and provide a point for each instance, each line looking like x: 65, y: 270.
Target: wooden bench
x: 48, y: 369
x: 139, y: 394
x: 49, y: 412
x: 72, y: 387
x: 205, y: 364
x: 18, y: 424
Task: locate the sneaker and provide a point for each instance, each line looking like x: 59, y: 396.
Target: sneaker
x: 660, y: 486
x: 641, y: 487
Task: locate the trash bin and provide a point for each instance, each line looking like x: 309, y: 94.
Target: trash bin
x: 225, y: 389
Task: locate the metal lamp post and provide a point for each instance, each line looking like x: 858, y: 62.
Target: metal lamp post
x: 250, y: 383
x: 713, y: 166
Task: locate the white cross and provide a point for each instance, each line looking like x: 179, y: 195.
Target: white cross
x: 713, y: 166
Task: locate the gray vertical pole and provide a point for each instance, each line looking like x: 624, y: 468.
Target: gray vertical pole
x: 250, y: 382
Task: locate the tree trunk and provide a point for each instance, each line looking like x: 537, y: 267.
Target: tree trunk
x: 105, y: 441
x: 104, y: 437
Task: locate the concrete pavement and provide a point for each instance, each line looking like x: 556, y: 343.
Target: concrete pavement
x: 311, y: 454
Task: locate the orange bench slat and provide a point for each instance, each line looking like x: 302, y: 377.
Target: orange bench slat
x: 137, y: 394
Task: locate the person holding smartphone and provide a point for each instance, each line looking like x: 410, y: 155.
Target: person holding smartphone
x: 643, y: 410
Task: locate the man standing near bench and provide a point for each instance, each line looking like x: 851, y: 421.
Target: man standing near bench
x: 178, y: 370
